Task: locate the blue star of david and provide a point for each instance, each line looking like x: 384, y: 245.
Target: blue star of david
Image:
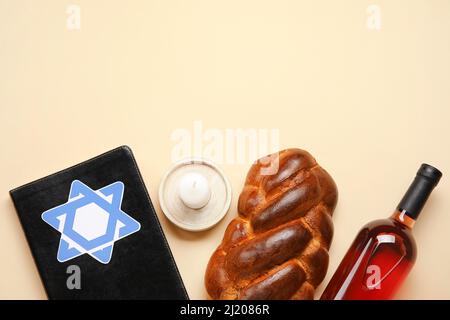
x: 91, y: 221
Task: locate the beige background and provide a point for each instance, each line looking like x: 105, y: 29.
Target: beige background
x: 371, y: 106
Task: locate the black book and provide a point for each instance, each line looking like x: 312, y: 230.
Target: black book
x: 94, y: 233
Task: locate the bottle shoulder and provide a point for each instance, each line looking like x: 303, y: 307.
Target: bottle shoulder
x: 380, y: 231
x: 389, y: 224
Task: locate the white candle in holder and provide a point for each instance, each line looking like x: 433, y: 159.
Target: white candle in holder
x: 194, y: 190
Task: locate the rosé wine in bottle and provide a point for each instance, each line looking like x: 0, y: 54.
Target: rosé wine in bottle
x: 384, y: 251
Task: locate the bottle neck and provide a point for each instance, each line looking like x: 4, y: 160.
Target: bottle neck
x: 401, y: 217
x: 418, y: 192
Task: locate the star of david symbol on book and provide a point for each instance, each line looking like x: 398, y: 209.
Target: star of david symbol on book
x: 91, y: 221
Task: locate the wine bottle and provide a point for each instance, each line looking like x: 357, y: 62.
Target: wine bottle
x: 384, y: 251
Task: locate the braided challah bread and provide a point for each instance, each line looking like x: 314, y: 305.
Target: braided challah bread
x: 277, y: 248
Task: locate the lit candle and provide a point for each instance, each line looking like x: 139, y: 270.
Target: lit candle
x: 194, y: 190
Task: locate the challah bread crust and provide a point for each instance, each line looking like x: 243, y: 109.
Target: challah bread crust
x: 277, y: 248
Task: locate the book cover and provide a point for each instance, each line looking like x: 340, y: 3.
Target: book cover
x: 94, y: 233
